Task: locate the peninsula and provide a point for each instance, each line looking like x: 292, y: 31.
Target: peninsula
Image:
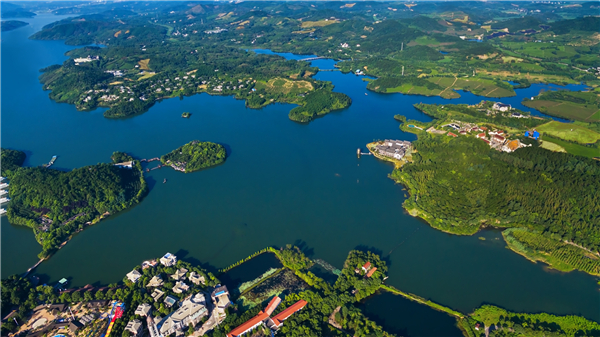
x: 484, y: 165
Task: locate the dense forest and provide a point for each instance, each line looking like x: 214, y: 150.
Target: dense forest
x: 195, y: 156
x: 11, y: 160
x: 56, y: 204
x: 461, y: 184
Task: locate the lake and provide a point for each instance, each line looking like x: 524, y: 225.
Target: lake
x: 283, y: 182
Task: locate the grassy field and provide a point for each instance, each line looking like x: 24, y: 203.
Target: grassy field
x: 575, y: 149
x: 285, y: 86
x: 570, y: 132
x: 552, y: 147
x: 146, y: 75
x: 320, y: 23
x: 417, y: 90
x: 144, y: 64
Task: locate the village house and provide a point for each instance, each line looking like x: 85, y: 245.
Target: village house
x: 179, y: 274
x: 134, y: 326
x: 220, y: 297
x: 196, y: 278
x: 168, y: 260
x: 501, y: 107
x: 156, y: 281
x: 143, y: 309
x: 170, y: 301
x: 134, y: 276
x: 157, y: 294
x: 180, y: 287
x: 191, y: 311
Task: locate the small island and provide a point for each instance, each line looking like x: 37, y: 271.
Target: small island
x: 8, y: 25
x: 318, y: 103
x: 186, y: 115
x: 195, y: 156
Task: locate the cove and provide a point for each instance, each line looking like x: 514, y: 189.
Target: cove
x: 284, y: 182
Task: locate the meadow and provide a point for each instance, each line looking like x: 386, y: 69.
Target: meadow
x: 568, y: 131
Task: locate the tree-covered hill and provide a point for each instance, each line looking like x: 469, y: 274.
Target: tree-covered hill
x: 11, y: 160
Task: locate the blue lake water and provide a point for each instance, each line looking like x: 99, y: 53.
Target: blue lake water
x: 284, y: 182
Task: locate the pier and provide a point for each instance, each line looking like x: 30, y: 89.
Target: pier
x: 149, y: 160
x: 155, y: 168
x: 360, y: 153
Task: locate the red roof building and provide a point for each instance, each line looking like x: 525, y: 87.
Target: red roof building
x: 366, y: 266
x: 272, y: 305
x: 249, y: 325
x: 451, y: 134
x: 483, y: 128
x: 499, y: 138
x: 370, y: 273
x: 481, y: 135
x: 292, y: 309
x: 487, y: 141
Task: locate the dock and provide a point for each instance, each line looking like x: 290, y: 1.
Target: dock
x: 360, y: 153
x: 149, y: 160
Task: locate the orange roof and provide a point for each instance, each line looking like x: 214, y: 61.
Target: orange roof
x: 451, y: 134
x: 481, y: 135
x: 272, y: 305
x: 240, y: 330
x: 367, y: 265
x: 370, y: 273
x: 483, y: 128
x: 282, y: 316
x: 513, y: 145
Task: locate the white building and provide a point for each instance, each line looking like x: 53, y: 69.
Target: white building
x: 134, y: 326
x: 134, y: 276
x: 168, y: 260
x: 143, y: 309
x: 191, y: 311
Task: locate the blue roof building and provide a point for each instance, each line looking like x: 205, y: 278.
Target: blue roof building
x: 536, y: 135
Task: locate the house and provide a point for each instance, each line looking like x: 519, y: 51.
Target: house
x: 143, y: 309
x: 501, y: 106
x: 87, y: 319
x: 156, y: 281
x: 516, y: 115
x: 74, y: 326
x: 156, y: 294
x: 481, y: 135
x: 134, y: 326
x: 192, y: 310
x: 498, y: 139
x: 452, y: 134
x: 196, y: 278
x: 148, y: 264
x: 168, y: 260
x: 170, y: 300
x: 180, y: 287
x: 366, y: 266
x: 97, y: 304
x: 220, y: 297
x: 179, y: 274
x: 273, y: 304
x: 289, y: 311
x: 134, y: 276
x: 371, y: 272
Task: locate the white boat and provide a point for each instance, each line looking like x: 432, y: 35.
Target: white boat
x: 3, y: 185
x: 2, y: 211
x: 4, y: 200
x: 3, y: 192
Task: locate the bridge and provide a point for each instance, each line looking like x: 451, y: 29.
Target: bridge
x: 312, y: 58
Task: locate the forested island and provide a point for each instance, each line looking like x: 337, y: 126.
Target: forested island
x: 8, y: 25
x: 328, y: 309
x: 56, y: 204
x: 194, y: 156
x: 474, y: 168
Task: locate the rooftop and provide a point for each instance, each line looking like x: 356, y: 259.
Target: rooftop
x: 289, y: 311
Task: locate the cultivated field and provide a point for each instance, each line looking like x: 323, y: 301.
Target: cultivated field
x: 144, y: 64
x: 566, y: 110
x: 320, y: 23
x: 478, y: 86
x: 575, y: 149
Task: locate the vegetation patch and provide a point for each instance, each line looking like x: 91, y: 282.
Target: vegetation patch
x: 195, y: 156
x: 279, y: 284
x: 570, y: 131
x: 318, y: 103
x: 285, y: 86
x: 552, y: 146
x: 144, y: 64
x: 580, y: 106
x: 559, y: 255
x: 320, y: 23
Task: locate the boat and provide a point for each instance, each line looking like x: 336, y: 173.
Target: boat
x: 164, y: 181
x: 2, y: 211
x: 51, y: 161
x: 4, y: 200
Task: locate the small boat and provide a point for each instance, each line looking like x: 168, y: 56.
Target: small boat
x: 366, y: 94
x: 164, y: 181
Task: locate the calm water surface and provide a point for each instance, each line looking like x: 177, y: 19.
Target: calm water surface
x: 284, y: 182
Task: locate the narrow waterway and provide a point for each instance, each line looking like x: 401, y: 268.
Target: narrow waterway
x: 284, y: 182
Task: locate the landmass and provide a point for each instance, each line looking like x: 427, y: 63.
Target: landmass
x: 10, y: 10
x: 57, y: 204
x: 161, y: 293
x: 11, y: 160
x: 12, y: 25
x: 195, y: 156
x: 482, y: 166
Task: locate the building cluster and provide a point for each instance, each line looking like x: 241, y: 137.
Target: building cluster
x: 264, y: 318
x: 215, y: 31
x: 192, y: 309
x: 367, y: 270
x: 396, y: 149
x: 496, y: 139
x: 89, y: 58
